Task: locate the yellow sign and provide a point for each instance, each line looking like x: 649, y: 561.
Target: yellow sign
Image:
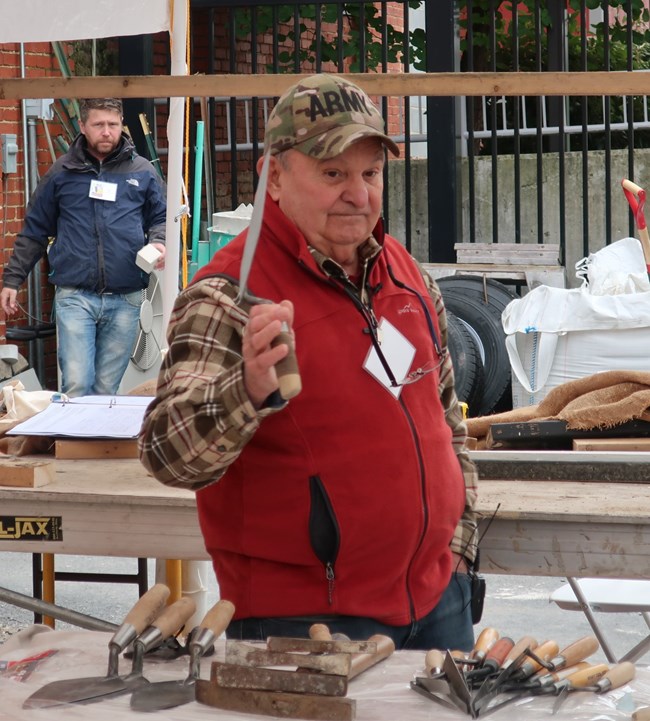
x: 31, y: 528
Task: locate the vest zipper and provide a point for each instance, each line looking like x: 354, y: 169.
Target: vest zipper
x: 329, y: 575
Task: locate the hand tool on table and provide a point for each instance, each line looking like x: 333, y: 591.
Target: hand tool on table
x: 286, y: 369
x: 169, y: 694
x: 137, y: 619
x: 492, y: 662
x: 486, y: 639
x: 636, y: 197
x: 617, y: 676
x: 641, y: 714
x: 524, y: 665
x: 577, y: 680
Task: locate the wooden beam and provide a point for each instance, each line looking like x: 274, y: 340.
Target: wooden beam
x: 392, y: 84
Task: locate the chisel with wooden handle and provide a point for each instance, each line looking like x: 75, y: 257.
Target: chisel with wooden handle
x: 612, y: 678
x: 492, y: 662
x: 577, y: 651
x: 487, y: 638
x: 548, y: 650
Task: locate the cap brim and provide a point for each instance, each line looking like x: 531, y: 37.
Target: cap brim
x: 334, y: 141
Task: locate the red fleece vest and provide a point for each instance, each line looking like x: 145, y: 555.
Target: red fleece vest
x: 346, y: 500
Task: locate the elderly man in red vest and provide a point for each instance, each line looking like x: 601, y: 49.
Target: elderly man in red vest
x: 351, y: 503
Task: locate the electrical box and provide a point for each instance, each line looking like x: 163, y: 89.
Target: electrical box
x: 39, y: 108
x: 9, y: 143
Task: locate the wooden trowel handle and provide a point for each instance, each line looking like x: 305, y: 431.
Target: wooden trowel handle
x: 174, y: 617
x: 320, y: 632
x: 218, y: 617
x: 433, y: 661
x: 362, y: 661
x: 577, y: 651
x: 147, y: 607
x: 287, y: 369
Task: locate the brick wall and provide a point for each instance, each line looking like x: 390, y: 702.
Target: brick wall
x: 39, y: 62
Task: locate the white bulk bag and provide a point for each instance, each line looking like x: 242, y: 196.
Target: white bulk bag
x: 554, y: 335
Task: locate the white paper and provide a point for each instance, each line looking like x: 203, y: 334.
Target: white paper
x: 398, y: 352
x: 88, y: 417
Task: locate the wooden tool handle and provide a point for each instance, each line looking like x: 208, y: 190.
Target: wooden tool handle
x: 287, y: 369
x: 497, y: 654
x: 433, y: 661
x: 522, y: 644
x: 174, y: 617
x: 218, y: 617
x: 642, y: 714
x: 320, y: 632
x: 147, y: 607
x: 487, y: 638
x: 577, y: 651
x: 587, y: 676
x: 545, y: 651
x: 617, y: 676
x: 363, y: 661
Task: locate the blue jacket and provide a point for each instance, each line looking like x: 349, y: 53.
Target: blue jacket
x: 95, y: 241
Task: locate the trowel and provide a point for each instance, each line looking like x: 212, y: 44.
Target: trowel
x: 97, y: 688
x: 168, y: 694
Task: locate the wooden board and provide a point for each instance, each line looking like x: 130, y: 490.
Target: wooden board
x: 508, y: 253
x: 91, y: 448
x: 26, y: 474
x: 275, y: 703
x: 611, y: 444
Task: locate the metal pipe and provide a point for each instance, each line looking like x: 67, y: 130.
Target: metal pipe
x: 49, y: 609
x: 36, y: 359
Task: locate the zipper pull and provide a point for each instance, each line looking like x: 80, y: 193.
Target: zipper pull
x: 329, y: 575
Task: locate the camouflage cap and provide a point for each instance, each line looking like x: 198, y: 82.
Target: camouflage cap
x: 322, y: 115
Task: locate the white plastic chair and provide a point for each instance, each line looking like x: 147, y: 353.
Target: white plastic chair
x: 607, y: 595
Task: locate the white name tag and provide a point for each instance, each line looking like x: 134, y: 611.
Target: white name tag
x: 103, y: 191
x: 398, y: 352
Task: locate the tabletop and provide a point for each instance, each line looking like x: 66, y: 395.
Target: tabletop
x: 382, y: 693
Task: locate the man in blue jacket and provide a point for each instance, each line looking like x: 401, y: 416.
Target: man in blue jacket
x: 96, y: 207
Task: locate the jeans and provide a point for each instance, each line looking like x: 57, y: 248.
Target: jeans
x: 95, y: 337
x: 448, y: 626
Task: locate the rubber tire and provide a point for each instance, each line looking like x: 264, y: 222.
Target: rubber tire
x: 469, y: 375
x: 465, y: 297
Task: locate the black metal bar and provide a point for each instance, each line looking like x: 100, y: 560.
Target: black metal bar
x: 539, y: 137
x: 516, y: 102
x: 493, y: 128
x: 232, y: 113
x: 630, y: 108
x: 37, y: 582
x: 585, y: 136
x: 471, y: 175
x: 608, y: 131
x: 441, y: 132
x: 406, y: 102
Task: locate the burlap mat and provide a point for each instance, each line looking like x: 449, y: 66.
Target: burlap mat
x: 601, y: 400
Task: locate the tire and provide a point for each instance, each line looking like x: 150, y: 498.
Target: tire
x: 469, y: 376
x: 479, y: 302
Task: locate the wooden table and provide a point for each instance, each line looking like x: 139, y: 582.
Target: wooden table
x: 531, y: 525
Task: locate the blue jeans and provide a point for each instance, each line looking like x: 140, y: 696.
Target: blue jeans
x: 448, y: 626
x: 95, y: 337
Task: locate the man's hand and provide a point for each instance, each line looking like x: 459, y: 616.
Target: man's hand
x: 160, y: 264
x: 264, y: 324
x: 8, y: 301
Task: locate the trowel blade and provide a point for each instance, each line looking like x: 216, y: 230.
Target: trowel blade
x: 163, y: 694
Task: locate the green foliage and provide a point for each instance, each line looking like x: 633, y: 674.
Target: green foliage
x: 106, y: 62
x: 363, y: 26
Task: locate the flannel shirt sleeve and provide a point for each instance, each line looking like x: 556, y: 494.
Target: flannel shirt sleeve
x: 201, y: 418
x: 465, y: 540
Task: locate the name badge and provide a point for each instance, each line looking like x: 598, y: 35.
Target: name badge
x: 398, y: 352
x: 103, y: 191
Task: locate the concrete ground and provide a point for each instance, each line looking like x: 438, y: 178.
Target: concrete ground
x: 515, y: 605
